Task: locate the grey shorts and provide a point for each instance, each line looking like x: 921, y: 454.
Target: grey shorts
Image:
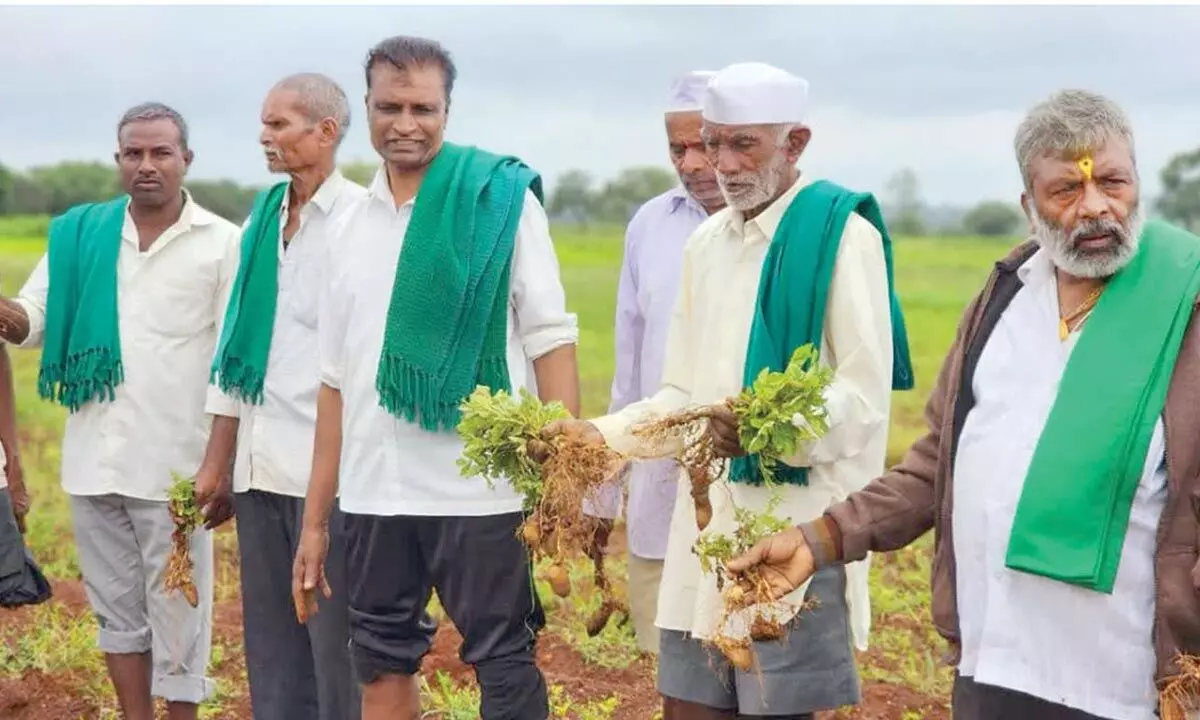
x: 809, y: 670
x: 123, y: 546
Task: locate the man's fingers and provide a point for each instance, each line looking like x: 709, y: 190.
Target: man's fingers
x: 312, y: 572
x: 748, y: 559
x: 21, y: 523
x: 553, y: 430
x: 325, y: 589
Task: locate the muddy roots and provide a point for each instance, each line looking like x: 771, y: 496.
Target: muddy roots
x: 698, y: 458
x: 1180, y: 696
x: 179, y: 563
x: 558, y: 528
x: 747, y: 603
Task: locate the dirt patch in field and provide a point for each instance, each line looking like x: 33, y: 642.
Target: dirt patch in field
x: 562, y: 665
x: 38, y: 696
x: 882, y: 701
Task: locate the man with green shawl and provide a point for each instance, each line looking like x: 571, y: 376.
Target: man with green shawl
x: 264, y: 404
x: 792, y: 260
x: 126, y: 307
x: 1060, y: 469
x: 442, y: 278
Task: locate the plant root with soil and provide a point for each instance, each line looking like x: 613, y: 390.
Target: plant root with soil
x: 1180, y: 696
x: 186, y: 517
x: 498, y: 431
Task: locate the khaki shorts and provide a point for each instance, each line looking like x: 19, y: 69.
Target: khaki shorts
x: 644, y: 579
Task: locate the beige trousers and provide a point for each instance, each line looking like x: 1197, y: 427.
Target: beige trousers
x: 644, y: 579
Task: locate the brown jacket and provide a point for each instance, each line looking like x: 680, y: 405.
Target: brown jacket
x: 916, y: 495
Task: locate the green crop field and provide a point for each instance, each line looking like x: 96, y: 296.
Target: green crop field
x: 49, y: 668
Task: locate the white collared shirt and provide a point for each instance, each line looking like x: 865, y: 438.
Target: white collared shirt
x: 390, y: 466
x: 275, y: 439
x: 170, y: 303
x: 706, y: 352
x: 1062, y: 643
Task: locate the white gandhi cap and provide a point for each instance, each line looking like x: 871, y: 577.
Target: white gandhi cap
x: 755, y: 93
x: 687, y: 91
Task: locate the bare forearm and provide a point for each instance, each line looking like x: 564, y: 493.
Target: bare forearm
x: 14, y: 321
x: 327, y: 453
x: 222, y: 444
x: 558, y: 377
x: 8, y: 406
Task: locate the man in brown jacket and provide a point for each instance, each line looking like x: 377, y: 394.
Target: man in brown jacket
x: 1060, y: 470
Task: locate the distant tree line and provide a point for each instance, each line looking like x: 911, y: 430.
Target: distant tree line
x: 51, y: 189
x: 577, y: 197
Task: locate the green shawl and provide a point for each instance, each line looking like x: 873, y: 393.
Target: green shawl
x: 240, y: 364
x: 794, y: 289
x: 81, y: 352
x: 447, y: 322
x: 1073, y: 514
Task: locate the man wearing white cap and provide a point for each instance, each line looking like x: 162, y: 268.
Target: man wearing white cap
x: 646, y: 293
x: 790, y: 261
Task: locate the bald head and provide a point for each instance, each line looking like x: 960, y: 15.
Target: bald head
x: 319, y: 97
x: 305, y: 118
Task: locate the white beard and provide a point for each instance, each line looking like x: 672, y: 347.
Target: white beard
x: 759, y: 188
x: 1062, y: 250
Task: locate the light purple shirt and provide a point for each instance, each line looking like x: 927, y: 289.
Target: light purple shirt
x: 654, y: 243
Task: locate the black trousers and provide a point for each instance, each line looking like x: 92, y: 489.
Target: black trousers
x: 973, y: 701
x: 484, y: 580
x: 296, y: 672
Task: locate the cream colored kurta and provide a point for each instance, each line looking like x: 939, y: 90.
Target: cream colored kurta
x: 706, y: 350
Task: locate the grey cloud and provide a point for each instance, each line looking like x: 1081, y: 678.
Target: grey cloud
x: 595, y: 76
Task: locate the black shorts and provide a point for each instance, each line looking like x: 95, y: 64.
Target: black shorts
x: 484, y: 581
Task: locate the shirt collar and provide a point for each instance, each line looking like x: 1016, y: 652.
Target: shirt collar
x: 382, y: 191
x: 1037, y: 269
x: 679, y: 197
x: 191, y: 215
x: 768, y: 220
x: 325, y: 196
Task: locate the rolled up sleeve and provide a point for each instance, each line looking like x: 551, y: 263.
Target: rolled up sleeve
x: 32, y: 300
x: 537, y: 296
x: 217, y: 402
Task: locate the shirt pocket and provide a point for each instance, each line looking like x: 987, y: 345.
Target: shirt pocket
x: 180, y: 302
x: 303, y: 293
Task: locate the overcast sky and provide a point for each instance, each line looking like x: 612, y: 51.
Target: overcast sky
x: 938, y: 89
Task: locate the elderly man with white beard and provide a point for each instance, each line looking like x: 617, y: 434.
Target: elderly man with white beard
x: 790, y: 261
x: 1059, y: 470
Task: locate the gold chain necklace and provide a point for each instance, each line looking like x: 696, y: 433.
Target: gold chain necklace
x: 1064, y: 323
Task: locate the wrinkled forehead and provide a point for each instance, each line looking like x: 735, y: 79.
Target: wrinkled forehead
x: 721, y: 132
x: 684, y: 123
x: 1111, y: 155
x: 283, y: 99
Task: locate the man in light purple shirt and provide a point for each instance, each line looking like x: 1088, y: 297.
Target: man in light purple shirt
x: 654, y: 243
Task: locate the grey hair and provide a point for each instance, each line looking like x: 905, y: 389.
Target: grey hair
x: 320, y: 98
x: 782, y: 130
x: 154, y: 111
x: 405, y: 52
x: 1069, y: 121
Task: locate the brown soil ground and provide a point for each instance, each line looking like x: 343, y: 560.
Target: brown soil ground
x: 39, y: 696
